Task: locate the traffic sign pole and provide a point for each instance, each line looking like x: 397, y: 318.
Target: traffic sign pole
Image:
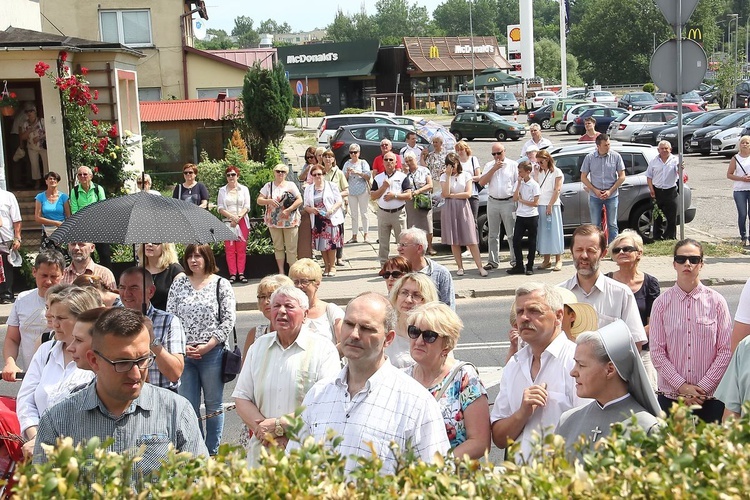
x: 307, y: 104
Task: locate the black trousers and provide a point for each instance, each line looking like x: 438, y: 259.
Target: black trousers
x: 6, y: 287
x: 666, y: 200
x: 525, y: 226
x: 711, y: 411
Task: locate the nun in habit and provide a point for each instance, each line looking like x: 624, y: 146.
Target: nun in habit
x: 609, y: 370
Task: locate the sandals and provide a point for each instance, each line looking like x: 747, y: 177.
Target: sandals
x: 544, y: 265
x: 558, y: 266
x: 483, y: 273
x: 233, y: 279
x: 431, y: 252
x: 351, y: 240
x: 460, y: 272
x: 241, y: 278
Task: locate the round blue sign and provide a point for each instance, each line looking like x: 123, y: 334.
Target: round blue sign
x: 300, y: 88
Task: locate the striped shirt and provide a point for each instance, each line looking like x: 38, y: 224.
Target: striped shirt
x: 391, y: 408
x: 689, y: 338
x: 168, y: 330
x: 603, y: 170
x: 156, y: 419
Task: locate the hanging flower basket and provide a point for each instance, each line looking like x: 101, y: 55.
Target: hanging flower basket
x: 8, y: 101
x: 8, y: 110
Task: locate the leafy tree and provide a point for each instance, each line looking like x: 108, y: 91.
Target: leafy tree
x: 451, y: 18
x: 216, y: 40
x: 547, y: 63
x: 246, y: 35
x: 267, y: 100
x: 396, y: 19
x: 352, y: 27
x: 271, y: 26
x: 727, y: 77
x: 507, y: 13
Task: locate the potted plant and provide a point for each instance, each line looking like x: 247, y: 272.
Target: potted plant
x: 8, y: 102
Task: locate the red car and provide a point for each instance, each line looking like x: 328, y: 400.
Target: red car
x: 687, y: 107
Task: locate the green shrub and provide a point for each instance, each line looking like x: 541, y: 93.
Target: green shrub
x: 300, y: 113
x: 682, y: 460
x: 352, y: 111
x: 427, y: 111
x: 649, y: 87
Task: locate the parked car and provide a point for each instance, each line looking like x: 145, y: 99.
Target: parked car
x: 703, y: 120
x: 727, y: 142
x: 380, y: 113
x: 534, y: 98
x: 368, y: 136
x: 648, y: 135
x: 408, y: 121
x: 624, y: 126
x: 572, y: 91
x: 708, y: 92
x: 687, y: 107
x: 502, y: 102
x: 633, y: 101
x: 634, y: 210
x: 330, y: 124
x: 466, y: 102
x: 568, y: 120
x: 701, y: 140
x: 603, y: 116
x: 559, y: 109
x: 484, y: 124
x: 602, y: 97
x: 540, y: 117
x: 687, y: 97
x: 741, y: 98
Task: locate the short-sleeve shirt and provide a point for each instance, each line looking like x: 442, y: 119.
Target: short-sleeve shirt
x: 664, y: 174
x: 418, y: 178
x: 80, y: 198
x: 27, y: 314
x: 272, y: 215
x: 357, y: 185
x: 503, y: 181
x: 379, y: 167
x: 603, y: 169
x: 53, y: 211
x: 527, y: 192
x: 194, y: 195
x: 546, y: 182
x: 458, y: 182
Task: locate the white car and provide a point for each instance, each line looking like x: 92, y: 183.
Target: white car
x: 624, y: 126
x: 380, y: 113
x: 569, y: 118
x: 727, y: 142
x: 534, y: 99
x: 602, y: 97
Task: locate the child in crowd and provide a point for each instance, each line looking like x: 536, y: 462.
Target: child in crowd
x: 527, y: 217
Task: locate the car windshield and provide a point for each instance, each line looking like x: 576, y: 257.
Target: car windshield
x: 503, y: 95
x: 494, y: 116
x: 641, y: 97
x: 732, y: 120
x: 465, y: 99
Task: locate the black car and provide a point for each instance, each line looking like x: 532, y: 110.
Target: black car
x: 540, y: 116
x: 368, y: 136
x: 741, y: 98
x: 636, y: 100
x: 704, y: 120
x: 648, y: 135
x: 603, y: 116
x: 701, y: 140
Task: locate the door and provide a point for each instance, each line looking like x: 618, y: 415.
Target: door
x: 572, y: 196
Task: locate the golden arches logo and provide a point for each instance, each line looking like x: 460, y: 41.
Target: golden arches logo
x: 695, y: 34
x: 434, y: 52
x: 515, y: 34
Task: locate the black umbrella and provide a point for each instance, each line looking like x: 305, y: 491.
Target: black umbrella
x: 142, y: 218
x: 492, y: 77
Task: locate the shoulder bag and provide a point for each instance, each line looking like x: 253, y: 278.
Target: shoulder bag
x: 422, y: 201
x: 451, y: 377
x: 231, y: 360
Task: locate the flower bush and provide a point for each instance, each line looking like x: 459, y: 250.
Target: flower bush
x: 8, y: 99
x: 90, y: 142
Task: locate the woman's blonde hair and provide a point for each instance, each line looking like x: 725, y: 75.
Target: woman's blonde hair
x: 627, y: 233
x: 306, y: 269
x: 424, y: 284
x: 439, y: 318
x: 271, y: 283
x: 463, y: 145
x: 168, y: 255
x: 78, y: 299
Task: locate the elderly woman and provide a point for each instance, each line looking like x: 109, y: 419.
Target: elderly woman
x: 51, y: 206
x: 393, y: 269
x: 161, y: 261
x: 53, y: 374
x: 550, y: 227
x: 410, y: 291
x: 266, y: 287
x: 233, y: 204
x: 359, y: 175
x: 282, y: 199
x: 191, y: 190
x: 279, y: 370
x: 626, y: 250
x: 608, y: 370
x: 419, y: 182
x: 144, y: 184
x: 206, y: 306
x: 434, y: 330
x: 434, y: 160
x: 323, y: 318
x: 323, y: 203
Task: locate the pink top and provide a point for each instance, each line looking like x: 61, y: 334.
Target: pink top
x: 587, y: 138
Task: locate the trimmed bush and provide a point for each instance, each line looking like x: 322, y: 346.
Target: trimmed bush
x: 428, y: 111
x: 352, y: 111
x: 649, y: 87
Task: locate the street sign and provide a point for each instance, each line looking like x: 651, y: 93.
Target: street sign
x: 300, y: 88
x: 663, y: 66
x: 669, y: 9
x: 286, y: 75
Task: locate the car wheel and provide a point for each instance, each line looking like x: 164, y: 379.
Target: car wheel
x: 686, y: 145
x: 457, y: 135
x: 559, y: 126
x: 484, y: 231
x: 571, y: 128
x: 469, y: 138
x: 545, y: 124
x: 705, y: 153
x: 500, y: 135
x: 515, y: 138
x: 640, y: 220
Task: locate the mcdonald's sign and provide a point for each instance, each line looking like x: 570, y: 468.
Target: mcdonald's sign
x: 695, y: 34
x: 434, y: 52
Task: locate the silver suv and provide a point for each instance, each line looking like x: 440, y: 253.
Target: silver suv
x: 634, y: 209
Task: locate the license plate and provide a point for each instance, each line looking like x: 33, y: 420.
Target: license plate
x: 693, y: 143
x: 715, y: 148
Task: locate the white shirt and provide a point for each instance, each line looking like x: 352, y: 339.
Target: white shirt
x: 527, y: 192
x: 324, y: 324
x: 742, y: 168
x: 9, y: 213
x: 556, y: 364
x: 276, y: 379
x: 392, y: 407
x: 417, y: 150
x: 394, y: 186
x: 664, y: 174
x: 612, y: 300
x: 543, y: 143
x: 546, y: 180
x: 743, y: 307
x: 27, y: 314
x: 47, y: 382
x: 458, y: 182
x: 503, y: 182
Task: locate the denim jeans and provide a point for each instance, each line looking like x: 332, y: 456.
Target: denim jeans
x: 742, y: 200
x: 205, y: 374
x: 595, y: 212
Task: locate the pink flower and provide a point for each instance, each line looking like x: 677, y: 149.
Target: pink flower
x: 96, y: 95
x: 63, y: 56
x: 41, y: 68
x: 96, y: 170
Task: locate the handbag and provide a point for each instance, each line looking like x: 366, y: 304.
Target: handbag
x: 231, y: 360
x: 422, y: 201
x: 19, y: 154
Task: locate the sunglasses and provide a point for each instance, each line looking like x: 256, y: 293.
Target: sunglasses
x: 317, y: 175
x: 693, y: 259
x: 279, y: 171
x: 427, y: 335
x: 353, y: 152
x: 188, y: 172
x: 384, y: 145
x: 389, y: 159
x: 83, y: 175
x: 392, y: 274
x: 231, y: 174
x: 627, y: 249
x: 309, y: 157
x: 498, y: 154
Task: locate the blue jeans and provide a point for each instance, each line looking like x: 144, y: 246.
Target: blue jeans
x: 742, y: 200
x: 205, y: 374
x: 595, y: 212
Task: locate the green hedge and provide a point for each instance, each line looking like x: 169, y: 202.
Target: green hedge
x: 427, y: 111
x: 353, y: 111
x: 682, y: 460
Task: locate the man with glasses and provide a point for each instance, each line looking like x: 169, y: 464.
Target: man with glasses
x: 378, y: 164
x: 500, y: 176
x: 412, y: 244
x: 84, y: 194
x: 611, y: 299
x: 389, y: 189
x: 119, y: 404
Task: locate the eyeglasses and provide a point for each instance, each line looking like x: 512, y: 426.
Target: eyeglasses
x: 188, y: 172
x: 693, y: 259
x: 309, y: 157
x: 353, y: 152
x: 30, y: 111
x: 392, y: 274
x: 83, y: 175
x: 404, y: 245
x: 231, y: 174
x: 302, y: 282
x: 126, y: 365
x: 494, y: 153
x: 416, y: 296
x: 389, y: 159
x: 317, y: 175
x: 627, y: 249
x: 428, y: 336
x: 279, y: 171
x: 384, y: 145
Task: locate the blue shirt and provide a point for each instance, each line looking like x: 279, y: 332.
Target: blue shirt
x: 53, y: 211
x: 603, y: 169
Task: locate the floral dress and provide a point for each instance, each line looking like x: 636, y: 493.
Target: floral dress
x: 465, y: 388
x: 436, y: 163
x: 325, y: 236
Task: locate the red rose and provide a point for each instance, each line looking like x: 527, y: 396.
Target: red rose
x: 96, y: 95
x: 84, y: 71
x: 96, y: 170
x: 113, y: 131
x: 63, y: 56
x: 95, y: 123
x: 94, y: 109
x: 12, y: 95
x: 41, y: 68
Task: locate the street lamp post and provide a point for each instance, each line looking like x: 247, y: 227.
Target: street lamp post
x: 736, y: 18
x: 471, y: 34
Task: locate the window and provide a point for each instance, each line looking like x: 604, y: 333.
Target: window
x: 214, y: 93
x: 570, y: 166
x: 396, y: 134
x: 149, y: 94
x: 128, y: 27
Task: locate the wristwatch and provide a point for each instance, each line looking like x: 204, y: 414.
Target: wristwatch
x: 156, y: 343
x: 278, y: 430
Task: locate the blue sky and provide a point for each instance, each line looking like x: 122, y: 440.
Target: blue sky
x: 302, y: 15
